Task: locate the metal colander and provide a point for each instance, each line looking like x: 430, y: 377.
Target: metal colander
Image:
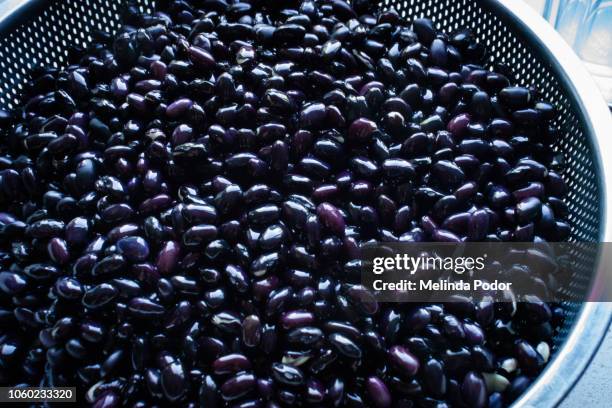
x: 38, y: 32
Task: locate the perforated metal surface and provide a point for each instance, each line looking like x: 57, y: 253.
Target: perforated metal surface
x: 44, y: 40
x: 530, y: 68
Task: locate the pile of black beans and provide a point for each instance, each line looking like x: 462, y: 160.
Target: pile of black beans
x: 182, y: 209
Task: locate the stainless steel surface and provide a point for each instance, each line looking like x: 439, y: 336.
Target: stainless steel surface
x: 39, y: 31
x: 593, y: 388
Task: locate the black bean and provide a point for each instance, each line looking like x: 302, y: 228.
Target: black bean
x: 173, y: 381
x: 515, y: 97
x: 313, y: 116
x: 237, y: 278
x: 473, y: 390
x: 528, y: 357
x: 435, y: 378
x: 528, y: 209
x: 424, y: 29
x: 99, y: 296
x: 200, y: 234
x: 398, y: 170
x: 12, y: 283
x: 109, y: 265
x: 238, y: 386
x: 231, y: 363
x: 145, y: 309
x: 287, y: 375
x: 405, y: 361
x: 305, y: 336
x: 201, y: 57
x: 345, y: 346
x: 296, y: 319
x: 251, y: 331
x: 361, y: 130
x: 362, y: 298
x: 134, y: 249
x: 331, y: 218
x: 378, y: 392
x: 518, y: 386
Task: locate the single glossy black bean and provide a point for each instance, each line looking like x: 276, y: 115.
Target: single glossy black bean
x: 173, y: 381
x: 313, y: 116
x: 424, y: 29
x: 201, y: 57
x: 69, y: 288
x: 362, y: 298
x: 287, y: 374
x: 528, y: 209
x: 200, y: 234
x: 345, y: 346
x: 12, y: 283
x: 145, y: 309
x: 331, y: 218
x: 231, y: 363
x: 251, y: 331
x: 264, y: 264
x: 435, y: 378
x: 46, y: 228
x: 473, y: 390
x: 403, y: 360
x: 361, y: 130
x: 99, y: 296
x: 58, y: 251
x: 178, y: 108
x: 109, y: 265
x: 315, y: 168
x: 458, y: 126
x: 238, y: 386
x: 227, y: 322
x: 237, y: 278
x: 398, y: 170
x: 378, y: 392
x: 498, y: 197
x: 473, y: 333
x: 305, y: 336
x: 529, y: 359
x: 515, y: 97
x: 134, y: 249
x: 289, y: 34
x: 448, y: 173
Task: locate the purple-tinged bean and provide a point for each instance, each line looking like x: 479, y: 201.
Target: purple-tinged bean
x: 474, y: 390
x: 231, y: 363
x: 331, y: 218
x: 168, y: 257
x: 251, y: 331
x: 378, y: 392
x: 238, y: 386
x: 403, y: 360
